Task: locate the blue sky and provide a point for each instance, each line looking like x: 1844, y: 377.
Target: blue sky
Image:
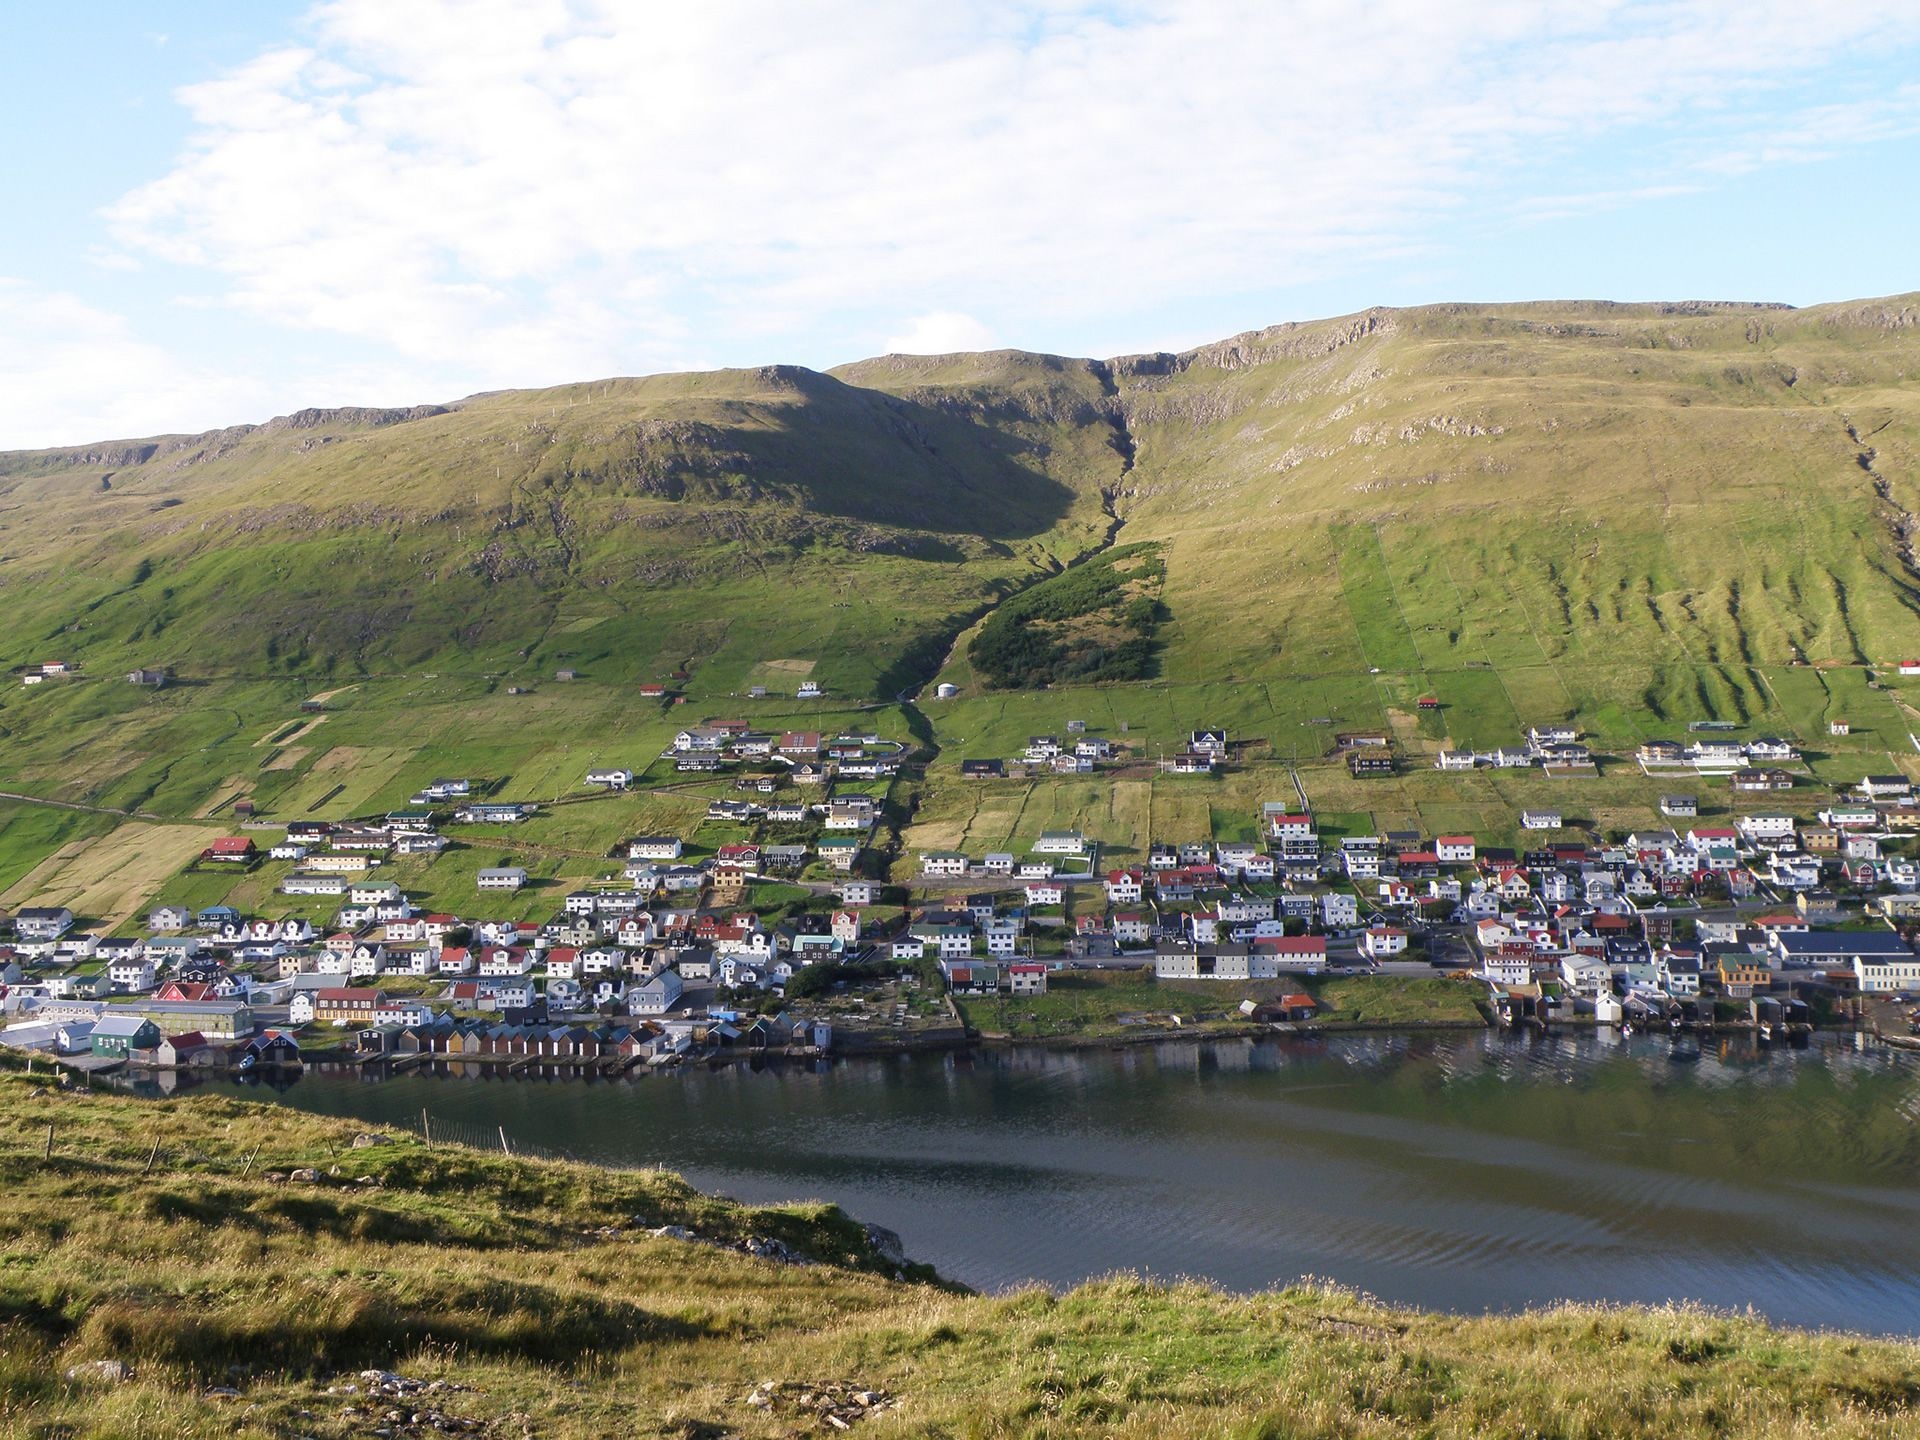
x: 222, y: 211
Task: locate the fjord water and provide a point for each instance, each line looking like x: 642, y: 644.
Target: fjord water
x: 1466, y: 1173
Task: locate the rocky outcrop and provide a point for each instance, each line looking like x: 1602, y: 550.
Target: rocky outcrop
x: 1291, y: 341
x: 1900, y: 312
x: 355, y: 415
x: 181, y: 451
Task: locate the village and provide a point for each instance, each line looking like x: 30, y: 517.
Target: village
x: 671, y: 954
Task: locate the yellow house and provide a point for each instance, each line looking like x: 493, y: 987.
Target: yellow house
x: 1742, y: 975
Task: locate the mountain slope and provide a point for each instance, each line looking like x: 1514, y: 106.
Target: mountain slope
x: 471, y: 537
x: 1557, y: 492
x: 1629, y: 515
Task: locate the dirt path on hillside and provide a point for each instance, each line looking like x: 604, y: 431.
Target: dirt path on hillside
x: 76, y: 805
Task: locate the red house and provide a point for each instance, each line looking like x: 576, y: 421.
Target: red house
x: 1296, y: 1007
x: 230, y: 848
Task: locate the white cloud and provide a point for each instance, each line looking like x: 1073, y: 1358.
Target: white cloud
x: 491, y: 192
x: 941, y: 333
x: 1816, y: 132
x: 71, y: 372
x: 1540, y: 208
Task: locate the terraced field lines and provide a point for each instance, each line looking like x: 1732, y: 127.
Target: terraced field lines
x: 109, y: 878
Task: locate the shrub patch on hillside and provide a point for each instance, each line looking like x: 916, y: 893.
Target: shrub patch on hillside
x: 1096, y: 621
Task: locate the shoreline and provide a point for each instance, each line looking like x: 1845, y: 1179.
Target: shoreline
x: 545, y: 1068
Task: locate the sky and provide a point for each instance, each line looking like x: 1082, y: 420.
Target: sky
x: 223, y: 210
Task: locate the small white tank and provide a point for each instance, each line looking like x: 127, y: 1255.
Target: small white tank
x: 945, y: 692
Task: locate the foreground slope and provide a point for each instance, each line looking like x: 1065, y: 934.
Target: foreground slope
x: 163, y: 1244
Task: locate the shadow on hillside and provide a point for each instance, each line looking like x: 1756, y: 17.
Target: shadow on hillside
x: 854, y: 454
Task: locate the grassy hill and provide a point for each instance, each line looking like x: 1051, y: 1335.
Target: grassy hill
x: 631, y: 528
x: 165, y: 1276
x: 1630, y: 516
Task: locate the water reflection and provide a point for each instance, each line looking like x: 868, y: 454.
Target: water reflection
x: 1469, y: 1172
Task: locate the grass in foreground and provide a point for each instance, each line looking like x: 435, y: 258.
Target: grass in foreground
x: 529, y: 1283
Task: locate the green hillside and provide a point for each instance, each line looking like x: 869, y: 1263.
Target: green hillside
x: 626, y: 528
x: 1641, y: 506
x: 1630, y: 516
x: 213, y: 1268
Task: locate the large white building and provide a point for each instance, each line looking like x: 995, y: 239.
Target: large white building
x: 1886, y: 975
x: 1266, y: 960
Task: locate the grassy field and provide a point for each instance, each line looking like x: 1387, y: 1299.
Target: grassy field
x: 31, y: 833
x: 534, y: 1292
x: 391, y: 736
x: 1363, y: 1001
x: 1125, y: 812
x: 1095, y: 1004
x: 107, y: 878
x: 1091, y: 1004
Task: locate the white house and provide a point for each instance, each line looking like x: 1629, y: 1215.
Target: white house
x: 166, y: 919
x: 505, y: 877
x: 1507, y: 970
x: 1212, y: 743
x: 132, y: 975
x: 1339, y: 910
x: 1285, y: 826
x: 43, y: 922
x: 1234, y: 855
x: 1758, y: 829
x: 1003, y: 937
x: 1378, y: 942
x: 1361, y: 862
x: 505, y: 962
x: 1586, y: 974
x: 655, y: 847
x: 1060, y: 842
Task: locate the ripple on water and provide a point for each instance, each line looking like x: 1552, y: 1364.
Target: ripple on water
x: 1475, y: 1172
